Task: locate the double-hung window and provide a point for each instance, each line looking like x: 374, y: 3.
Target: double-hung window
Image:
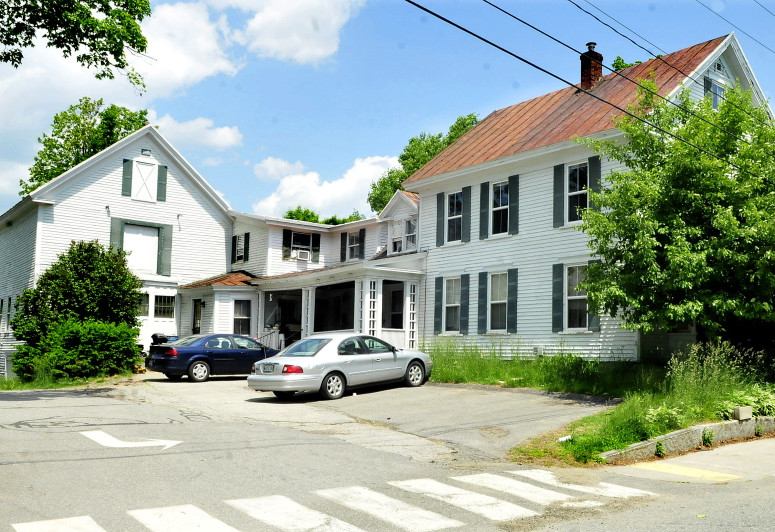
x: 577, y: 191
x: 498, y: 301
x: 454, y: 216
x: 301, y: 246
x: 164, y: 307
x: 403, y: 236
x: 410, y: 234
x: 500, y: 208
x: 144, y: 307
x: 353, y: 245
x: 242, y: 316
x: 715, y: 91
x: 452, y: 304
x: 575, y: 298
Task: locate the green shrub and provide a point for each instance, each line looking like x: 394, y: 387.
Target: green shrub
x: 660, y: 449
x: 77, y: 349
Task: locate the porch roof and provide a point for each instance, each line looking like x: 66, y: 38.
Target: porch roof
x: 238, y: 278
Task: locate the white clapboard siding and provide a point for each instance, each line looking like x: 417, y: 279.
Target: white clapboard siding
x: 17, y: 255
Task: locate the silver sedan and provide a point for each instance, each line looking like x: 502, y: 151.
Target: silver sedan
x: 332, y: 363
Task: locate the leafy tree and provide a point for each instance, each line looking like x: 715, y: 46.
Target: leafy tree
x: 335, y: 220
x: 98, y: 32
x: 415, y: 155
x: 78, y: 133
x: 686, y: 234
x: 620, y: 64
x: 87, y: 282
x: 303, y: 214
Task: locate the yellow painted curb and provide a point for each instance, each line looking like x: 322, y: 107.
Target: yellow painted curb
x: 684, y: 471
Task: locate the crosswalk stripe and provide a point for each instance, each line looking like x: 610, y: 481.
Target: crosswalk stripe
x: 603, y: 488
x: 393, y: 511
x: 283, y: 513
x: 515, y: 487
x: 184, y: 518
x: 684, y: 471
x: 70, y: 524
x: 484, y: 505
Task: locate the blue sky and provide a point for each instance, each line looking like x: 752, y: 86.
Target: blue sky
x: 286, y: 102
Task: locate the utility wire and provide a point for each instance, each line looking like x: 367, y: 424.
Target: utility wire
x: 656, y: 56
x: 635, y: 82
x: 736, y: 27
x: 573, y: 85
x: 764, y: 8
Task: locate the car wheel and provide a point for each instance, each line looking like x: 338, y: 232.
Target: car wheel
x: 415, y: 374
x: 199, y: 371
x: 283, y: 395
x: 333, y: 386
x: 172, y: 377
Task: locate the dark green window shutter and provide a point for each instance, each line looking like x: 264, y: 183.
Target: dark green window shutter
x: 116, y: 233
x: 362, y: 244
x: 482, y: 318
x: 246, y: 252
x: 161, y: 187
x: 513, y: 204
x: 708, y: 85
x: 558, y: 274
x: 511, y: 304
x: 593, y: 319
x: 466, y: 214
x: 465, y: 283
x: 126, y: 180
x: 165, y: 250
x: 315, y: 247
x: 559, y: 195
x: 234, y: 248
x: 287, y: 234
x: 438, y: 301
x: 440, y: 215
x: 484, y: 210
x: 594, y: 176
x: 343, y: 248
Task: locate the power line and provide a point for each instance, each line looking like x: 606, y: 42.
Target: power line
x: 656, y: 56
x: 573, y: 85
x: 764, y: 8
x: 737, y: 27
x: 635, y: 82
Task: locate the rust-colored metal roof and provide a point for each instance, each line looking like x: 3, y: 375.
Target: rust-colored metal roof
x: 411, y: 196
x: 562, y: 115
x: 238, y: 278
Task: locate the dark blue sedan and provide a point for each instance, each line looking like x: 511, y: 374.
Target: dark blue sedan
x: 202, y: 355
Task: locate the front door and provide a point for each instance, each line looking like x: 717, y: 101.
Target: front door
x: 196, y: 325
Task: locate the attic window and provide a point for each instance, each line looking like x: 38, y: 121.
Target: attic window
x: 146, y: 152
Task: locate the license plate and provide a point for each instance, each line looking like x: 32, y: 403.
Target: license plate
x: 267, y: 368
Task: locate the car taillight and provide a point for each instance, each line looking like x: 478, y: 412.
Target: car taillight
x: 170, y: 352
x: 287, y: 368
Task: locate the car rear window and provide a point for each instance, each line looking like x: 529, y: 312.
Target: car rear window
x: 305, y: 348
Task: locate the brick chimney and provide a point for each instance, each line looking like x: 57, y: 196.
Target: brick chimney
x: 591, y: 67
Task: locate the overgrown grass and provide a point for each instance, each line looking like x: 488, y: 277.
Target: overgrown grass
x: 704, y: 384
x: 567, y: 373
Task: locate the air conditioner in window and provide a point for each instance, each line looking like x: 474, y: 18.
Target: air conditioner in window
x: 302, y: 254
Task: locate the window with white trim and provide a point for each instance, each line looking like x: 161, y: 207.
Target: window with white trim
x: 301, y: 242
x: 714, y: 90
x: 144, y: 307
x: 403, y: 236
x: 499, y: 291
x: 500, y: 208
x: 575, y: 298
x: 242, y: 316
x: 452, y: 304
x: 454, y: 216
x: 353, y: 245
x: 577, y: 184
x: 164, y: 307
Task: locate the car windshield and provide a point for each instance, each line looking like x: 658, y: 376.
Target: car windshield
x: 305, y: 348
x: 188, y: 340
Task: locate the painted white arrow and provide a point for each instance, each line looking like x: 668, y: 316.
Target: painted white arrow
x: 109, y: 441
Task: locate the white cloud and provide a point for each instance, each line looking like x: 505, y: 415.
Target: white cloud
x: 274, y: 168
x: 327, y: 198
x: 10, y: 174
x: 303, y: 31
x: 184, y: 47
x: 196, y: 132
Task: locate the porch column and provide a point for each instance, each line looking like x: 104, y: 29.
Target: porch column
x: 307, y: 311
